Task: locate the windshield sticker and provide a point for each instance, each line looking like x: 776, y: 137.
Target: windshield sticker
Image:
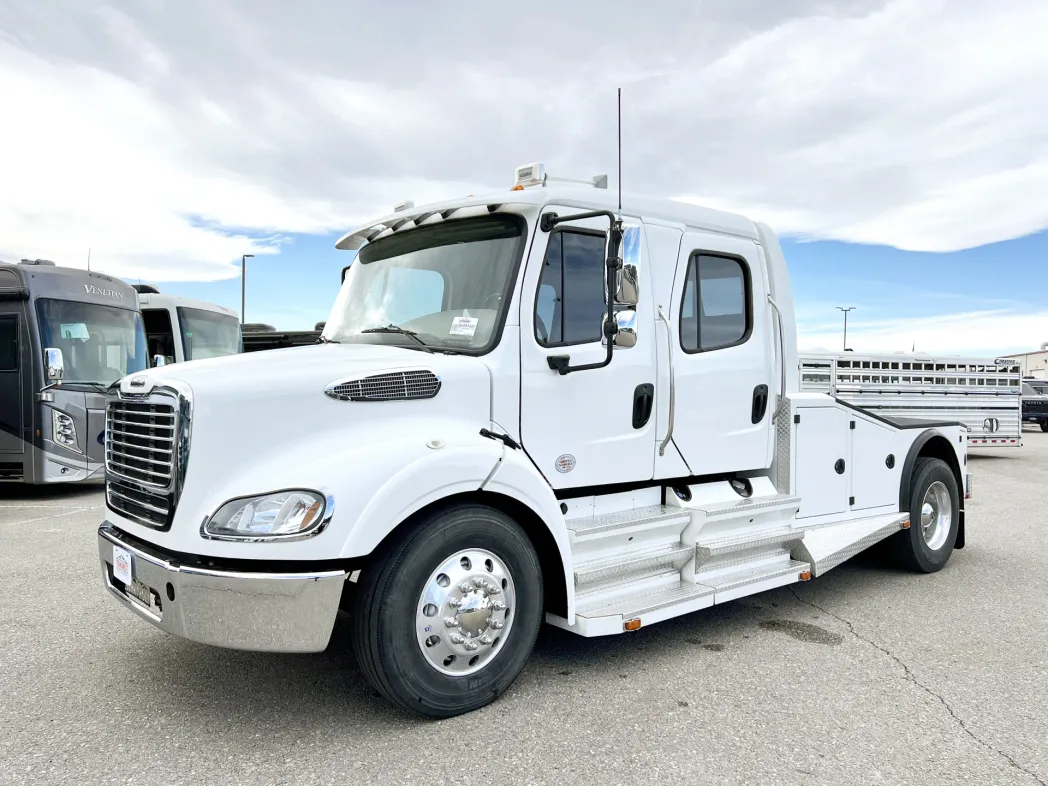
x: 464, y: 326
x: 75, y: 330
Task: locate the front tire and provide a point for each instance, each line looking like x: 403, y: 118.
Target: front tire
x: 934, y: 518
x: 1044, y: 425
x: 447, y: 616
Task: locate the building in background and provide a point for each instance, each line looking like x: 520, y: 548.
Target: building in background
x: 1034, y: 364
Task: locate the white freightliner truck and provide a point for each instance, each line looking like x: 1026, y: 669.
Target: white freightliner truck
x: 484, y: 440
x: 984, y: 394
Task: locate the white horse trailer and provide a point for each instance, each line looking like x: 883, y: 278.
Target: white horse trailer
x: 985, y: 394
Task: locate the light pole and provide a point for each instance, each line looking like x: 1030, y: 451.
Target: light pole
x: 243, y: 279
x: 845, y: 310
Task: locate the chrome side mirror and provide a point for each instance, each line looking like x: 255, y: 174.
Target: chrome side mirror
x: 628, y: 288
x: 159, y: 360
x: 626, y: 334
x: 54, y: 364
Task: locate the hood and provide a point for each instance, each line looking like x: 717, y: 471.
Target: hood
x: 248, y: 406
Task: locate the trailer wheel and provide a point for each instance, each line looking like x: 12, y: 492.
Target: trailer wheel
x: 934, y: 517
x: 446, y: 617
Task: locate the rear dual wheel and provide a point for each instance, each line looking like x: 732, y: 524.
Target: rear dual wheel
x: 447, y: 616
x: 935, y: 509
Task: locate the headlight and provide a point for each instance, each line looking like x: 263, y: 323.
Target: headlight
x: 283, y: 515
x: 63, y: 432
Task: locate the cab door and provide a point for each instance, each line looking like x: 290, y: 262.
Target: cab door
x: 723, y: 358
x: 593, y: 427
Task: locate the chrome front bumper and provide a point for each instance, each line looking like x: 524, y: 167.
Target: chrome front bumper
x: 265, y: 612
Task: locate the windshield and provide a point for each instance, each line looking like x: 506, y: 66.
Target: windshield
x: 99, y: 344
x: 1031, y: 388
x: 448, y: 283
x: 208, y: 334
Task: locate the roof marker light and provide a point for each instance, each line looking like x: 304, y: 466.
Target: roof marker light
x: 403, y: 206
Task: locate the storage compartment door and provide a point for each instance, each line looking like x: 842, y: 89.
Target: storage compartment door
x: 821, y: 461
x: 875, y: 465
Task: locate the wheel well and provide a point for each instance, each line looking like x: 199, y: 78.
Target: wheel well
x: 554, y: 590
x: 933, y: 445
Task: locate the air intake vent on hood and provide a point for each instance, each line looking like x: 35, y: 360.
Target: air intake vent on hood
x: 388, y: 386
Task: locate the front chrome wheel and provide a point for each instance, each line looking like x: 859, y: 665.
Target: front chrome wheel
x: 465, y: 612
x: 936, y: 515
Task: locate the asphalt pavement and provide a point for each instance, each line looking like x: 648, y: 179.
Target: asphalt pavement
x: 866, y: 675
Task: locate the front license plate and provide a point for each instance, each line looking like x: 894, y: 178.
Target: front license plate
x: 140, y: 592
x: 122, y: 565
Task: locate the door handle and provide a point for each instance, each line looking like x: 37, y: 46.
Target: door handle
x: 643, y: 401
x: 760, y: 403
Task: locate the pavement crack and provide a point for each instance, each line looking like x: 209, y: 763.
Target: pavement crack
x: 910, y: 676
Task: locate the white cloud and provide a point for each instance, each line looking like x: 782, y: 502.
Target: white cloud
x: 995, y: 332
x: 172, y: 138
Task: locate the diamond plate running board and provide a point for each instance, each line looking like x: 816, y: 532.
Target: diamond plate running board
x: 827, y: 547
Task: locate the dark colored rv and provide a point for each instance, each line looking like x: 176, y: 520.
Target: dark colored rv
x: 65, y: 336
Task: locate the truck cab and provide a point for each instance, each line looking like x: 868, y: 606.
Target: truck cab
x: 545, y: 404
x: 180, y: 329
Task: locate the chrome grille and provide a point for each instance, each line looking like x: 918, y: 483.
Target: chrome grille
x: 141, y: 446
x: 389, y: 386
x: 153, y: 510
x: 140, y: 442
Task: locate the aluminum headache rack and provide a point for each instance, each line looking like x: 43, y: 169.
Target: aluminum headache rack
x: 985, y: 394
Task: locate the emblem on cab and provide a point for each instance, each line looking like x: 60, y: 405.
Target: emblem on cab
x: 137, y: 382
x: 565, y: 463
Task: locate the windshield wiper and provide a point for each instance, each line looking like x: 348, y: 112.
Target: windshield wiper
x: 394, y: 329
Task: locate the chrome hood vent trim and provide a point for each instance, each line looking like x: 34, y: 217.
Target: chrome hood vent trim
x: 400, y: 385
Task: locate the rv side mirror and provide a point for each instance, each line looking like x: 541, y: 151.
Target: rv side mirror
x: 159, y: 360
x: 625, y: 335
x: 54, y: 364
x: 627, y: 280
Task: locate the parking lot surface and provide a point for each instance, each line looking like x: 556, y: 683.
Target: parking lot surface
x: 866, y: 675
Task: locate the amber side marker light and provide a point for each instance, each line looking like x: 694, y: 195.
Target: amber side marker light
x: 906, y: 524
x: 631, y: 625
x: 805, y: 575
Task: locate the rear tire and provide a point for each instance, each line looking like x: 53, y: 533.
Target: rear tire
x: 447, y: 616
x: 934, y: 518
x: 1044, y: 425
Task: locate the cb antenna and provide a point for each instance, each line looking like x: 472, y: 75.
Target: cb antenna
x: 620, y: 148
x: 89, y: 260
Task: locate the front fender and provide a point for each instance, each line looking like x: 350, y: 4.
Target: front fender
x: 517, y: 477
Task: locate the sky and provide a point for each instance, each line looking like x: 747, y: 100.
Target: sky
x: 899, y: 147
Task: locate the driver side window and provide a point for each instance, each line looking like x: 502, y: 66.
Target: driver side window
x: 569, y: 304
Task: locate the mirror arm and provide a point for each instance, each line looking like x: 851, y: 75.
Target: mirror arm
x: 560, y: 363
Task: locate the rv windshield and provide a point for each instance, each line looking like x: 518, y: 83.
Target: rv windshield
x: 208, y: 334
x: 447, y: 284
x: 100, y: 344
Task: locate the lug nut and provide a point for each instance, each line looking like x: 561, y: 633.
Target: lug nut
x: 485, y: 639
x: 498, y: 605
x: 497, y: 624
x: 456, y: 639
x: 466, y: 587
x: 471, y: 645
x: 479, y: 583
x: 454, y: 602
x: 451, y: 622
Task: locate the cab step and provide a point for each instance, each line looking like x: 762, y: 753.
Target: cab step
x: 644, y: 605
x: 736, y: 509
x: 622, y: 568
x: 749, y: 580
x: 708, y: 550
x: 652, y: 517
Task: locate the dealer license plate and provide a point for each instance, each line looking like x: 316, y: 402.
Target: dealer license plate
x: 123, y: 571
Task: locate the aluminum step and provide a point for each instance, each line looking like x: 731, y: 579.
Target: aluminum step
x: 623, y: 567
x: 706, y: 550
x: 748, y: 581
x: 827, y: 547
x: 644, y: 604
x: 640, y: 518
x: 745, y: 507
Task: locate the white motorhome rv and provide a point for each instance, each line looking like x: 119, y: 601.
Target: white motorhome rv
x: 984, y: 394
x: 541, y: 404
x: 180, y: 328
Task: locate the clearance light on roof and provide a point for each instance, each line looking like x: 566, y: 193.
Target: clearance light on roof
x: 535, y: 175
x: 403, y: 206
